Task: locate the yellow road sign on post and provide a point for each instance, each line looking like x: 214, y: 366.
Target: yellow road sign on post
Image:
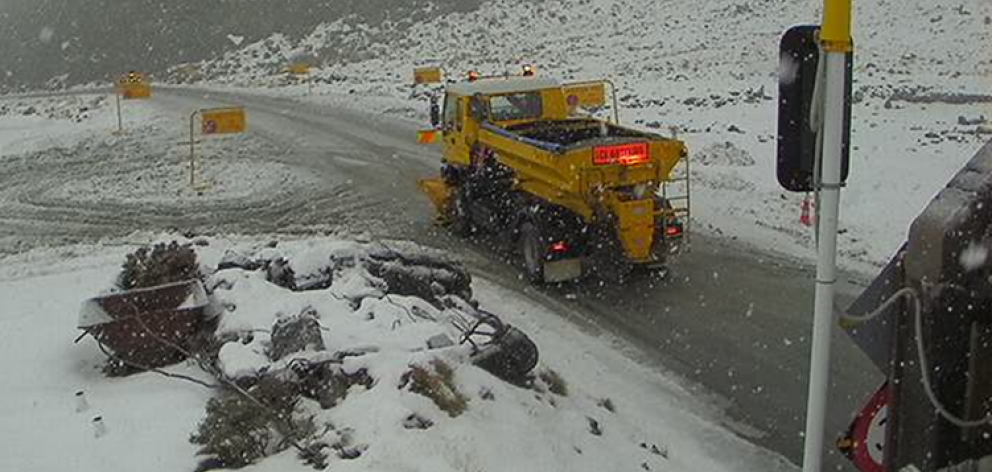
x: 427, y: 75
x: 298, y: 68
x: 134, y: 90
x: 133, y: 86
x: 223, y: 120
x: 213, y: 121
x: 586, y: 95
x: 130, y: 86
x: 301, y: 70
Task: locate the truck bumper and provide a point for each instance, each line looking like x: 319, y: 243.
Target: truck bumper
x: 562, y: 270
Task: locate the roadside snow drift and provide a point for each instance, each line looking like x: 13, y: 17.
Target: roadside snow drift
x: 401, y: 400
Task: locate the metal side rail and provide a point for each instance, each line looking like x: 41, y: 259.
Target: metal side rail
x: 681, y: 202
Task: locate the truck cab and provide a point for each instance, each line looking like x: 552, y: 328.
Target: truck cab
x: 503, y: 102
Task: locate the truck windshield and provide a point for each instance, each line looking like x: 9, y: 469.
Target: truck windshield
x: 516, y: 106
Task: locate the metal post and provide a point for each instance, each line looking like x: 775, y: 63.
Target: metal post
x: 835, y: 36
x: 192, y: 150
x: 120, y: 120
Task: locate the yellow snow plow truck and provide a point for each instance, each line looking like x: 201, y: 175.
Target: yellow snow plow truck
x: 526, y: 162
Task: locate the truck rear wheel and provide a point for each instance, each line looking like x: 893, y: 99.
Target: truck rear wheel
x: 533, y: 252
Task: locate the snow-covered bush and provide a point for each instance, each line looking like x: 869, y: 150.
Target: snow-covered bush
x: 437, y: 382
x: 239, y: 431
x: 161, y: 264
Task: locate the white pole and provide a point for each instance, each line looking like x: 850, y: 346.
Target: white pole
x: 826, y: 267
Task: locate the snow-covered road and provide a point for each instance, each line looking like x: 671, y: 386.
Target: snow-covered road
x: 306, y: 172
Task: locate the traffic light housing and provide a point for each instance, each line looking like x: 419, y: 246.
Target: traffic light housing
x: 799, y: 58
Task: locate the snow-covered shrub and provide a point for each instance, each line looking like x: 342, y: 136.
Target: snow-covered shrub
x: 438, y: 384
x: 237, y: 431
x: 161, y: 264
x: 554, y: 382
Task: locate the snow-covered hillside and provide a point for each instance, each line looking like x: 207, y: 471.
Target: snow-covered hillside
x: 706, y: 71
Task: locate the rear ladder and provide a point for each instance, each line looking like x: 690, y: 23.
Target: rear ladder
x: 675, y: 190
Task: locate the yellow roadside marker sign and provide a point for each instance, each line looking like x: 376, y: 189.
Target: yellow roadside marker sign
x: 130, y: 86
x: 133, y: 86
x: 212, y: 121
x: 131, y: 91
x: 223, y: 120
x: 426, y: 136
x: 586, y: 95
x: 427, y: 75
x: 298, y: 68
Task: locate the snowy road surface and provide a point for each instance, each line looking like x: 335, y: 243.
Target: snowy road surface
x: 730, y: 320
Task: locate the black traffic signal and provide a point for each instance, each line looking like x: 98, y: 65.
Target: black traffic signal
x: 799, y: 56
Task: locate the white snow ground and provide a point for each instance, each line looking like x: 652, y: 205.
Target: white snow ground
x: 148, y: 418
x: 27, y: 124
x: 151, y: 161
x: 710, y: 71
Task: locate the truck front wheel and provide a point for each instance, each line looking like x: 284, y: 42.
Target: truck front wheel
x: 533, y: 251
x: 458, y: 218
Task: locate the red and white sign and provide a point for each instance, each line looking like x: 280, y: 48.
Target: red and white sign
x: 209, y: 127
x: 865, y: 441
x: 623, y: 154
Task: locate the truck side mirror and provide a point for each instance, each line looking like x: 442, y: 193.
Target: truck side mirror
x: 435, y: 112
x: 799, y: 55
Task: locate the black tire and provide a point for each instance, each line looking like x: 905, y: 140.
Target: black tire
x: 533, y: 252
x: 458, y: 219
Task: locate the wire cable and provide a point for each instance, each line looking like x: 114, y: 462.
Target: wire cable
x: 912, y: 295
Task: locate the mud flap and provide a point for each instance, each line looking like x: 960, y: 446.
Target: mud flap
x: 635, y: 227
x: 440, y: 194
x: 562, y: 270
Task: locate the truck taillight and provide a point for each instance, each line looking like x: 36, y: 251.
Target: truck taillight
x: 623, y: 154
